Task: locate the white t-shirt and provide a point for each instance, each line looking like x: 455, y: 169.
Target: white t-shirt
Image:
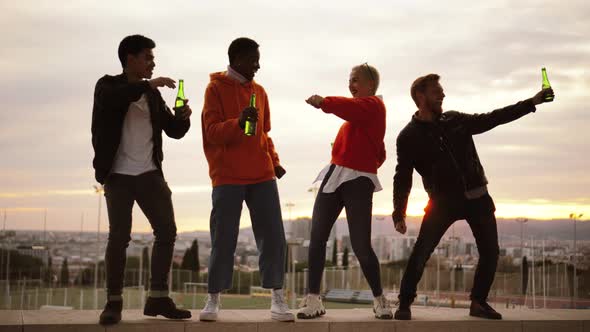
x: 136, y: 148
x: 343, y: 174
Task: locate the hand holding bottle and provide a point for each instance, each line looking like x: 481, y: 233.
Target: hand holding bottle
x: 249, y: 113
x: 541, y: 96
x: 184, y: 112
x: 548, y: 96
x: 181, y: 109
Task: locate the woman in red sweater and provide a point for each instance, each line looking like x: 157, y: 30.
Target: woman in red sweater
x: 349, y: 182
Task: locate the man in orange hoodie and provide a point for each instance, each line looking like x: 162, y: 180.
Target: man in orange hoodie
x: 242, y: 168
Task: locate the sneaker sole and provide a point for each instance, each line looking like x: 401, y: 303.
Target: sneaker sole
x: 387, y: 316
x: 301, y: 315
x: 282, y: 317
x: 208, y: 317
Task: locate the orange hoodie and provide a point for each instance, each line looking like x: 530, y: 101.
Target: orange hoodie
x: 233, y: 157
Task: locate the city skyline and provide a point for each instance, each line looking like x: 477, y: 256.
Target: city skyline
x: 537, y: 166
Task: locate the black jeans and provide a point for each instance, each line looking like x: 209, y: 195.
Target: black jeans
x: 153, y: 196
x: 441, y: 213
x: 356, y: 196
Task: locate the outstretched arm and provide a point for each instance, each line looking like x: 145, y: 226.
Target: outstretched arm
x: 356, y: 110
x: 480, y: 123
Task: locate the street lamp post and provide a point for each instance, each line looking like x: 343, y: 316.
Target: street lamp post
x: 521, y: 221
x: 8, y: 298
x: 81, y: 269
x: 289, y: 206
x: 575, y: 217
x: 98, y: 190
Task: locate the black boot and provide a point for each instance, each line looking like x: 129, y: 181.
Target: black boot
x: 111, y: 313
x: 482, y: 309
x: 403, y: 311
x: 164, y: 306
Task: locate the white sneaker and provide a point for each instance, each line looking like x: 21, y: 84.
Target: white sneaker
x: 279, y: 310
x: 381, y: 308
x: 311, y: 307
x: 209, y: 313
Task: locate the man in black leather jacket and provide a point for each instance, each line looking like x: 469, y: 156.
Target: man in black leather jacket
x: 440, y: 147
x: 128, y: 118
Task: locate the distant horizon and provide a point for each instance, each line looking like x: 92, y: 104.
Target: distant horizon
x: 410, y: 219
x: 537, y: 166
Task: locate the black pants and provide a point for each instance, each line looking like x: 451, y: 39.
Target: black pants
x: 356, y: 196
x: 153, y: 196
x: 440, y: 215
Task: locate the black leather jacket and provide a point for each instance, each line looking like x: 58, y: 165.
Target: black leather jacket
x: 112, y: 97
x: 444, y: 154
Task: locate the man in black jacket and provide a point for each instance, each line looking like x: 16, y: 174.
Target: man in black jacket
x: 128, y: 117
x: 440, y: 147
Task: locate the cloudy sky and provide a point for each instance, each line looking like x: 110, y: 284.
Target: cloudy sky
x: 489, y: 55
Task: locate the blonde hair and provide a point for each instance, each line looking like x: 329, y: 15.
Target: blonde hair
x: 369, y: 72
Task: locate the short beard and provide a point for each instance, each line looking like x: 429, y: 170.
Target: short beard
x: 434, y: 108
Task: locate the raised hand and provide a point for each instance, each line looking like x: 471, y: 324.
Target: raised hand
x: 315, y: 101
x: 161, y: 82
x: 539, y: 98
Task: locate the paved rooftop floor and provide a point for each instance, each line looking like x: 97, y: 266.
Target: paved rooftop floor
x: 349, y: 320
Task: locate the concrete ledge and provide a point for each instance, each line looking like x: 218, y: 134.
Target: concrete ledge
x: 348, y: 320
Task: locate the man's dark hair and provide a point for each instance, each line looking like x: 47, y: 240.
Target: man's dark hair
x: 240, y: 46
x: 421, y: 83
x: 133, y: 45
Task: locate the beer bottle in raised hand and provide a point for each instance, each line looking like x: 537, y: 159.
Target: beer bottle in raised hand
x: 546, y: 85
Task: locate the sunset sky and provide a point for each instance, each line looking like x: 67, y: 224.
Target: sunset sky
x: 489, y: 54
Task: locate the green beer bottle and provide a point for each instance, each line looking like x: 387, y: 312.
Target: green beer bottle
x: 250, y: 127
x: 546, y: 85
x: 180, y: 96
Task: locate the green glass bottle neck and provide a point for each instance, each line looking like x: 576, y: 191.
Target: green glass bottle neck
x: 181, y: 88
x: 546, y: 83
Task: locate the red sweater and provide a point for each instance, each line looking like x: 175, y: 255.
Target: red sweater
x: 359, y: 143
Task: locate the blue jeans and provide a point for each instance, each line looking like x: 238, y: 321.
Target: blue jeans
x: 263, y: 203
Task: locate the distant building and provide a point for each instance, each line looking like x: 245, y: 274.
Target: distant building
x: 382, y: 247
x: 401, y: 247
x: 299, y: 229
x: 40, y: 252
